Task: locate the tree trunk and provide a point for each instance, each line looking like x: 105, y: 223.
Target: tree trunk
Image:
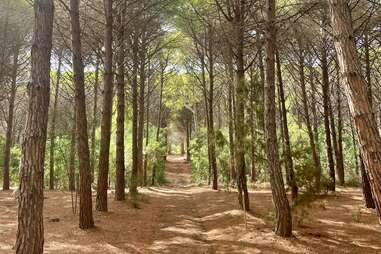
x: 233, y: 175
x: 368, y: 75
x: 252, y: 128
x: 95, y: 121
x: 188, y: 139
x: 134, y: 87
x: 282, y: 208
x: 339, y: 171
x: 367, y: 190
x: 340, y: 156
x: 120, y: 167
x: 211, y: 133
x: 101, y: 201
x: 30, y: 231
x: 287, y: 147
x: 141, y: 114
x: 315, y: 115
x: 147, y: 138
x: 240, y: 132
x: 4, y: 43
x: 11, y: 108
x: 310, y: 131
x: 355, y: 155
x: 72, y: 153
x: 85, y: 197
x: 53, y: 125
x: 145, y: 162
x: 360, y: 169
x: 159, y: 122
x: 360, y: 108
x: 367, y: 193
x: 326, y: 107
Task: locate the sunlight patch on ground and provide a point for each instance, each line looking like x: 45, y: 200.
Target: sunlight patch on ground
x: 366, y: 245
x: 186, y: 227
x: 331, y: 222
x: 184, y: 242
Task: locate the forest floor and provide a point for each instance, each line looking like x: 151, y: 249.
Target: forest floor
x: 182, y: 218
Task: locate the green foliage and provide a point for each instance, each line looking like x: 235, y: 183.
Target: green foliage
x: 61, y: 161
x: 223, y: 157
x: 155, y: 153
x: 199, y: 150
x: 13, y: 164
x: 200, y: 163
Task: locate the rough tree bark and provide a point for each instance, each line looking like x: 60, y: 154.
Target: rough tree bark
x: 355, y: 87
x: 282, y: 208
x: 355, y: 155
x: 367, y: 193
x: 101, y: 201
x: 85, y: 197
x: 120, y: 167
x: 30, y: 231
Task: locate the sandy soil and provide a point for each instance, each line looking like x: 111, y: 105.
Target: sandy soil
x: 181, y: 218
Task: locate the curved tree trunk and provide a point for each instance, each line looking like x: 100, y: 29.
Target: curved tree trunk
x: 30, y: 231
x: 360, y: 108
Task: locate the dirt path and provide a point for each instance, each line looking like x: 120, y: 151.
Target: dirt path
x: 181, y: 218
x: 182, y: 230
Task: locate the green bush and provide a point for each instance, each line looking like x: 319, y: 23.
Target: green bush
x: 200, y: 163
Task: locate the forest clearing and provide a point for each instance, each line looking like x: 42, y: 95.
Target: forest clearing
x: 182, y: 218
x: 190, y: 126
